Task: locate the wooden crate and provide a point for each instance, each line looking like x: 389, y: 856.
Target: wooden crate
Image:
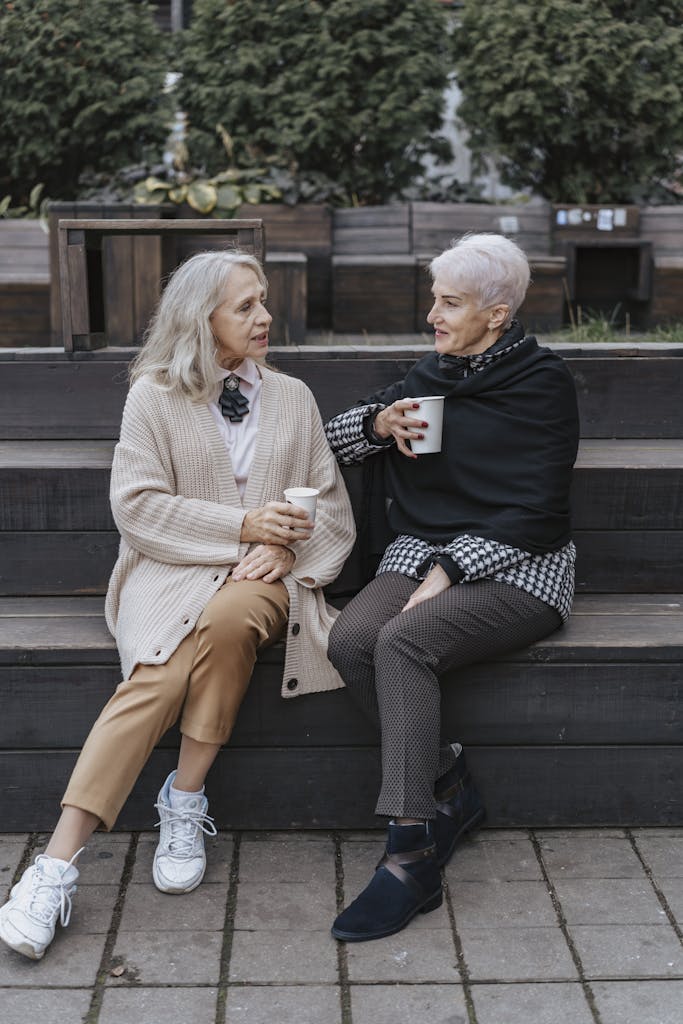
x: 83, y: 268
x: 131, y: 266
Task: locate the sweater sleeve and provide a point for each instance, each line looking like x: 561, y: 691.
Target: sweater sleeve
x: 320, y: 558
x: 149, y: 515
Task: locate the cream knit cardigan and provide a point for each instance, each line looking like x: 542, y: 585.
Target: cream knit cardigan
x: 178, y: 510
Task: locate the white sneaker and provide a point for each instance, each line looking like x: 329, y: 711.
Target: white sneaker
x: 41, y: 897
x: 179, y: 860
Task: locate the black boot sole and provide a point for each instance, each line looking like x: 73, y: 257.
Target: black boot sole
x: 431, y: 903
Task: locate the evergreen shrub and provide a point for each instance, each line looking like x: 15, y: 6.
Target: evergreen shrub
x: 579, y: 100
x: 351, y: 90
x: 81, y: 89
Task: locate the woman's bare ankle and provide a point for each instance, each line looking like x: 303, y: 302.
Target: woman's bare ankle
x: 73, y: 830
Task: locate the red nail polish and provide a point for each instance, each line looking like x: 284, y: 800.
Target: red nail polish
x: 416, y: 405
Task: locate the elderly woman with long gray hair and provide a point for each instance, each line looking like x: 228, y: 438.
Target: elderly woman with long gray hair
x: 481, y: 560
x: 213, y: 565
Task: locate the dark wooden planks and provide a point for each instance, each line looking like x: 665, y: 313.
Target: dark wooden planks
x: 373, y: 293
x: 434, y: 225
x: 24, y: 313
x: 55, y: 485
x: 76, y: 399
x: 300, y: 788
x: 64, y: 485
x: 627, y: 399
x: 663, y: 226
x: 622, y: 627
x: 632, y: 561
x: 83, y: 397
x: 65, y: 562
x: 80, y: 562
x: 372, y: 230
x: 502, y: 703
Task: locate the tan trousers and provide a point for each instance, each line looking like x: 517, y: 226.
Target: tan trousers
x: 203, y: 683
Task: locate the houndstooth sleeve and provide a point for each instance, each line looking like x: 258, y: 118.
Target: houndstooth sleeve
x: 478, y: 558
x: 346, y: 434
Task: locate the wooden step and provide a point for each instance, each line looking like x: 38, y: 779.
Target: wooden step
x: 581, y: 728
x: 57, y: 535
x: 55, y: 395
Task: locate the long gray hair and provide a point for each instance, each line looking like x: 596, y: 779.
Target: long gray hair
x: 179, y: 349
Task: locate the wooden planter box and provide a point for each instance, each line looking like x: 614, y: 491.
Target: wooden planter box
x: 24, y: 284
x: 307, y: 229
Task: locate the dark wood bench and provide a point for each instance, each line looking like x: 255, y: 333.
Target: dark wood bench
x: 582, y: 728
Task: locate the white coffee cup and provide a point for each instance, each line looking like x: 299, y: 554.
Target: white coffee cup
x: 431, y: 410
x: 303, y: 497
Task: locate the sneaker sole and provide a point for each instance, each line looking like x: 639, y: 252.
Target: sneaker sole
x: 25, y: 948
x: 175, y: 891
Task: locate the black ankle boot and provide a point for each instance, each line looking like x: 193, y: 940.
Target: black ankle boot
x: 459, y: 808
x: 407, y: 882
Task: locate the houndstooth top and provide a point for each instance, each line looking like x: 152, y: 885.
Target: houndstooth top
x: 549, y: 576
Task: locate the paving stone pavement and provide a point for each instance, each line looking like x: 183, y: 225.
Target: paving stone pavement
x: 580, y: 926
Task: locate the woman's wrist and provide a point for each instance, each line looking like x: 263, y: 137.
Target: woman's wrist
x: 373, y: 434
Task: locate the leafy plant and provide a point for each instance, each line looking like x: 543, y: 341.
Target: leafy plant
x: 580, y: 100
x: 219, y: 195
x: 36, y: 207
x: 347, y: 90
x: 81, y: 90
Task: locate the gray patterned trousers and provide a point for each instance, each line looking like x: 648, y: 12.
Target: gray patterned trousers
x: 391, y: 662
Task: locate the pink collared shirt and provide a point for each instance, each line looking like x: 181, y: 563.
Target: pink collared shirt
x: 240, y: 438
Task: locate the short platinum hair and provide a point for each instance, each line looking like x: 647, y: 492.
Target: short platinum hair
x: 179, y: 349
x: 489, y: 267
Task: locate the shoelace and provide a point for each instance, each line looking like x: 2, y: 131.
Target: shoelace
x: 49, y: 891
x: 184, y: 825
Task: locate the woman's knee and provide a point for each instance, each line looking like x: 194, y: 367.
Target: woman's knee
x: 349, y: 644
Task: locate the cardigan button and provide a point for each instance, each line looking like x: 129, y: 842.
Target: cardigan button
x: 292, y: 684
x: 296, y: 629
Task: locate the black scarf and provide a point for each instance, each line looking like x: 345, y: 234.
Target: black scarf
x: 510, y: 438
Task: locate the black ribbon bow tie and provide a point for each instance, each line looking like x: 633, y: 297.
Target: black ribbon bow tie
x: 234, y: 405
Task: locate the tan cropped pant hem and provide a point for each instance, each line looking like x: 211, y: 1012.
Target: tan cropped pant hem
x: 203, y: 684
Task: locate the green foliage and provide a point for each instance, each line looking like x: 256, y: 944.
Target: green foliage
x: 219, y: 195
x: 80, y: 90
x: 580, y: 100
x: 350, y: 90
x: 35, y: 208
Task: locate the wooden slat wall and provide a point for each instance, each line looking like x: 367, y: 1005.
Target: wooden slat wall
x: 663, y: 226
x: 23, y: 252
x: 372, y: 230
x: 434, y: 225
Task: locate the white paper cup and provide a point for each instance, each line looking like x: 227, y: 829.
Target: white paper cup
x: 431, y: 412
x: 303, y: 497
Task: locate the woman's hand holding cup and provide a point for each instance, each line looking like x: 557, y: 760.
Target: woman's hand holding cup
x: 393, y: 421
x: 276, y: 522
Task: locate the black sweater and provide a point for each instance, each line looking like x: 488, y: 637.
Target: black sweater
x: 510, y: 439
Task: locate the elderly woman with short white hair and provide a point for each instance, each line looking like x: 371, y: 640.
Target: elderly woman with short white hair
x: 213, y: 565
x: 481, y: 562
